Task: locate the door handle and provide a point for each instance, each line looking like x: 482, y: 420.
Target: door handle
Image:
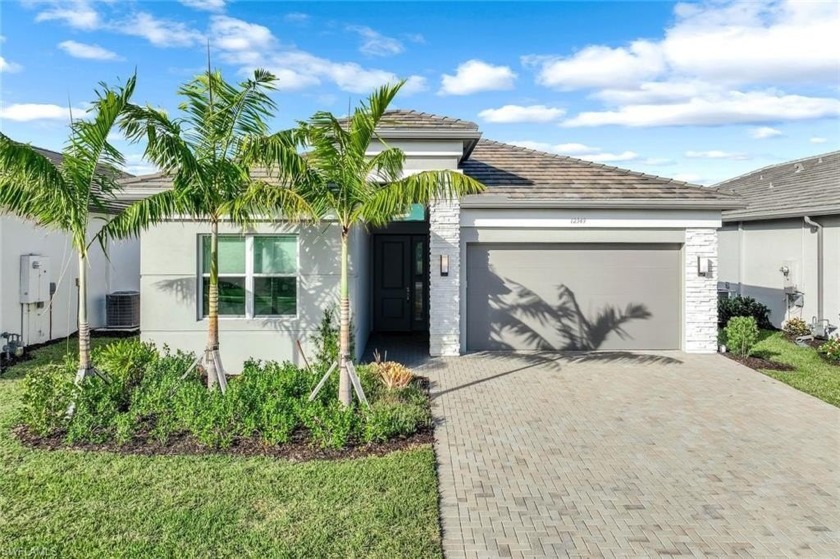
x: 407, y: 294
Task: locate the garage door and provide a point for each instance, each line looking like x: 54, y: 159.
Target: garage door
x: 573, y: 297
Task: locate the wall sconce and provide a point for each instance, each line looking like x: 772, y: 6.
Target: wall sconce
x: 704, y: 266
x: 444, y: 265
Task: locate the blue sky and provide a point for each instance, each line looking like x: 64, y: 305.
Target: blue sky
x: 697, y: 91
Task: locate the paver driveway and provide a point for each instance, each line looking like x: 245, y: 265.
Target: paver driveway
x: 631, y: 455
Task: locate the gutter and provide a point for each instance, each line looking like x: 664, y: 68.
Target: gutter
x: 733, y: 216
x: 820, y: 264
x: 503, y: 202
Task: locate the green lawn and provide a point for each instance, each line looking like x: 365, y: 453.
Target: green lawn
x: 81, y: 504
x: 812, y: 374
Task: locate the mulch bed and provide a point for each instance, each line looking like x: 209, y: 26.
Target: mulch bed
x: 298, y: 449
x: 759, y: 363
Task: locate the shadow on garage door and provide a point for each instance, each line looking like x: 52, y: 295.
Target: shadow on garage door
x: 573, y: 297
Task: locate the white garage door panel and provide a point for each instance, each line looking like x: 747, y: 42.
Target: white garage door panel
x: 573, y: 296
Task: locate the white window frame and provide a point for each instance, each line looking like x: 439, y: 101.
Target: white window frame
x: 249, y: 277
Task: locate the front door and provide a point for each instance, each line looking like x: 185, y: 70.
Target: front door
x: 399, y: 288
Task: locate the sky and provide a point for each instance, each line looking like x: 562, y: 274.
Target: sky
x: 699, y: 91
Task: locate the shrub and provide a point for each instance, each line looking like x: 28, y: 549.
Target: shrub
x: 98, y: 404
x: 124, y: 361
x: 831, y: 350
x: 48, y: 391
x: 326, y: 339
x: 393, y: 375
x: 796, y: 327
x: 331, y: 425
x: 743, y: 306
x: 741, y: 334
x: 386, y: 420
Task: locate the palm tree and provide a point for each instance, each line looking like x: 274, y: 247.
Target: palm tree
x: 208, y: 153
x: 340, y: 182
x: 65, y: 196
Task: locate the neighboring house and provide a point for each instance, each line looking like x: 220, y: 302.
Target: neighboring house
x: 53, y: 310
x: 559, y: 253
x: 784, y: 248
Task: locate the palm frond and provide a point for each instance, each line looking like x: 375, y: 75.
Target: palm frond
x: 396, y: 198
x: 142, y: 214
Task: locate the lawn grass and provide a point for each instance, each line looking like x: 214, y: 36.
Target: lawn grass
x: 812, y: 374
x: 84, y: 504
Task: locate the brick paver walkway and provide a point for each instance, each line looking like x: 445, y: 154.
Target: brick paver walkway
x: 631, y: 456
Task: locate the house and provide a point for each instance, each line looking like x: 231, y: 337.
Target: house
x: 783, y: 248
x: 49, y: 310
x: 558, y: 253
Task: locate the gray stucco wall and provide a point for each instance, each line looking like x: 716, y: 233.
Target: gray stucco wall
x: 752, y: 253
x: 169, y: 283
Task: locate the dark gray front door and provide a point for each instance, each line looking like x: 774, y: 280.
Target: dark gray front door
x: 573, y: 296
x: 399, y: 286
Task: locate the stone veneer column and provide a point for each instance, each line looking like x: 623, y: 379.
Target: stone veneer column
x: 700, y: 292
x: 445, y: 292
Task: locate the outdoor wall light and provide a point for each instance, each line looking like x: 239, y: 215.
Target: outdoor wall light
x: 444, y: 265
x: 704, y: 266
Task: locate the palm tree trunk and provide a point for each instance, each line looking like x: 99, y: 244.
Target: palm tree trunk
x: 84, y: 327
x: 213, y: 308
x: 344, y: 395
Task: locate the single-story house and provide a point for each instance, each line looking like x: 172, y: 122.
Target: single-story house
x: 40, y: 301
x: 558, y: 253
x: 783, y: 248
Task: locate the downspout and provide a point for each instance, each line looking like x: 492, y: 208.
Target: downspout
x: 820, y: 264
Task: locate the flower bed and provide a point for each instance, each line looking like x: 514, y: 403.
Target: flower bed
x: 149, y: 402
x: 830, y: 351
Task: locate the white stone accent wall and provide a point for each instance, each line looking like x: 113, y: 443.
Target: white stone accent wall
x: 445, y: 292
x: 701, y: 292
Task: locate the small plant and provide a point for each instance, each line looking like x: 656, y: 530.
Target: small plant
x: 386, y: 420
x: 795, y: 327
x: 743, y: 306
x: 830, y: 350
x: 741, y: 335
x: 393, y: 375
x: 326, y: 339
x: 47, y: 393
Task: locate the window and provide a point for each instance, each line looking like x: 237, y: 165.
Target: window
x: 257, y: 275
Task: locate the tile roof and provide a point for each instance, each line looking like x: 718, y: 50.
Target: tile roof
x: 809, y: 186
x: 410, y: 119
x: 517, y: 173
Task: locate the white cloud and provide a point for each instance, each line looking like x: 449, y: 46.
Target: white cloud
x: 719, y: 62
x: 474, y: 76
x: 763, y: 132
x: 600, y: 66
x: 611, y: 157
x: 27, y: 112
x: 84, y: 50
x: 581, y: 151
x: 79, y: 14
x: 375, y: 43
x: 733, y: 107
x: 136, y: 164
x: 818, y: 140
x: 250, y: 46
x: 296, y: 17
x: 159, y: 32
x: 518, y: 113
x: 9, y: 67
x: 657, y: 161
x: 206, y: 5
x: 716, y: 154
x: 560, y: 149
x: 231, y: 34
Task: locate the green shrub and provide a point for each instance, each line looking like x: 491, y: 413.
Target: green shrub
x: 98, y: 404
x: 796, y: 327
x: 743, y: 306
x: 48, y: 391
x: 831, y: 350
x: 741, y: 334
x: 331, y: 425
x: 386, y: 420
x: 326, y: 339
x: 124, y: 361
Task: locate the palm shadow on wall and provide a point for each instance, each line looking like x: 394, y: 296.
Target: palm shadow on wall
x: 562, y: 326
